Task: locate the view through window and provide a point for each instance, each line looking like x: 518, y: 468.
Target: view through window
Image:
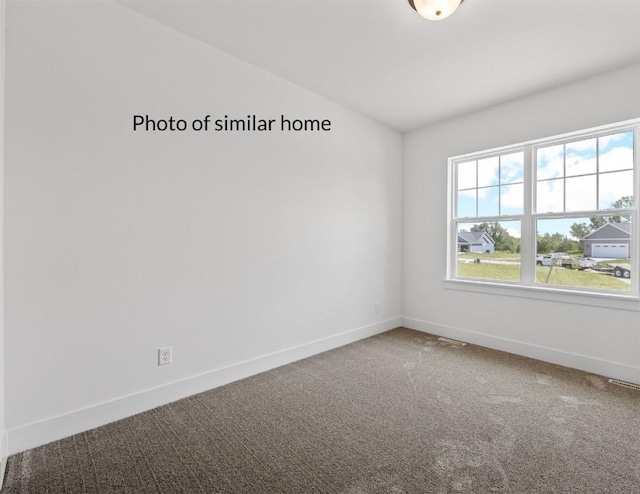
x: 567, y: 203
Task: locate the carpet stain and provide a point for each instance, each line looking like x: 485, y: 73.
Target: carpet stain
x: 456, y: 454
x: 564, y: 438
x: 596, y: 381
x: 563, y: 416
x: 499, y: 400
x: 409, y: 365
x: 572, y: 400
x: 498, y: 419
x: 443, y: 398
x: 557, y: 416
x: 544, y: 379
x: 465, y: 466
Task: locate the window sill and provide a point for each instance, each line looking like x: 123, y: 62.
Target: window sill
x: 567, y: 296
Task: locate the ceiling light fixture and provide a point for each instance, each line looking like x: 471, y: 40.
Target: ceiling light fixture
x: 435, y: 10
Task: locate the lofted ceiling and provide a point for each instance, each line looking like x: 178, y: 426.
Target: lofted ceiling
x: 380, y: 58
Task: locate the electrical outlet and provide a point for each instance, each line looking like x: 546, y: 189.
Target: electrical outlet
x: 164, y: 355
x: 376, y: 307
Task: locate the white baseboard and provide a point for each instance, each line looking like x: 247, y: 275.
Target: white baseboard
x: 4, y: 453
x: 567, y: 359
x: 54, y: 428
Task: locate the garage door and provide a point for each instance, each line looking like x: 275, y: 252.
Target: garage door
x: 615, y: 251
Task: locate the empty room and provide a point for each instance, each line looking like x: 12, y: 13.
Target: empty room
x: 320, y: 246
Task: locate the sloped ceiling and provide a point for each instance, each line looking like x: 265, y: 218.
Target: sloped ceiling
x: 380, y: 58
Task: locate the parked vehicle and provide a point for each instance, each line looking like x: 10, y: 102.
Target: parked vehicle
x: 560, y: 259
x: 548, y: 259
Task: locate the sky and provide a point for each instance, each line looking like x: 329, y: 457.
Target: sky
x: 582, y: 175
x: 585, y: 175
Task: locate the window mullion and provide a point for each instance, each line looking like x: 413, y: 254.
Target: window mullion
x: 452, y: 212
x: 634, y: 247
x: 528, y: 230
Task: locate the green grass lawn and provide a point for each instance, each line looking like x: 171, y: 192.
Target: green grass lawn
x: 615, y: 262
x: 559, y: 276
x: 569, y: 277
x: 504, y: 272
x: 505, y: 256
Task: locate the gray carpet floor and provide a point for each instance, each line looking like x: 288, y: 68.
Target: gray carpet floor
x: 397, y: 413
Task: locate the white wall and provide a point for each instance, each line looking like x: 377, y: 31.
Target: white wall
x: 242, y: 251
x: 3, y: 439
x: 605, y: 341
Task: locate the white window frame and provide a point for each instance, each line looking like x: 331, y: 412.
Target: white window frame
x: 527, y: 286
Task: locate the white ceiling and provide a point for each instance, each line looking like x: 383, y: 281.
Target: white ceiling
x: 381, y: 58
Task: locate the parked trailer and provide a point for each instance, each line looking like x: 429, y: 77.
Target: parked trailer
x: 617, y: 271
x: 585, y: 262
x: 621, y: 272
x: 580, y: 263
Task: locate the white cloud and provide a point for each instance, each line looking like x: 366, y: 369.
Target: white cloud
x: 488, y: 171
x: 466, y: 175
x: 620, y: 158
x: 511, y: 167
x: 550, y: 196
x: 580, y: 166
x: 512, y: 198
x: 468, y: 193
x: 513, y: 232
x: 605, y: 141
x: 550, y: 162
x: 613, y: 186
x: 581, y: 193
x: 580, y: 147
x: 512, y: 227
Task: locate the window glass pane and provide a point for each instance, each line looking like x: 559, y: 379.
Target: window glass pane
x: 467, y: 203
x: 550, y: 196
x: 580, y: 157
x: 466, y: 175
x: 581, y: 193
x: 573, y: 253
x: 488, y: 201
x: 511, y: 199
x: 616, y: 152
x: 512, y: 168
x: 550, y: 162
x: 488, y: 171
x: 581, y: 189
x: 614, y: 188
x: 489, y: 250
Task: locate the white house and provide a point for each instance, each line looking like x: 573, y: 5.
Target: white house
x: 611, y: 240
x: 475, y: 242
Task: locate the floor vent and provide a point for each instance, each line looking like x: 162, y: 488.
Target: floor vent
x: 453, y: 342
x: 624, y: 384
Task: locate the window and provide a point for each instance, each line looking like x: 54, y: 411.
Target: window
x: 556, y: 214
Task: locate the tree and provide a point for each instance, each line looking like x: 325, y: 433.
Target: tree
x: 597, y: 222
x: 625, y: 202
x: 556, y: 242
x: 581, y: 230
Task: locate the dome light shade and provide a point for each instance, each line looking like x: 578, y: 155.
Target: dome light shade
x: 435, y: 10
